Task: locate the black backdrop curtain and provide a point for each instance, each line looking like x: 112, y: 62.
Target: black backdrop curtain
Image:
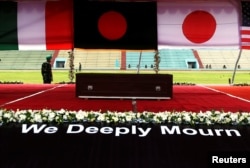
x: 97, y: 146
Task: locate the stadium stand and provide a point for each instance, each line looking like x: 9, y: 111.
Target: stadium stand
x: 21, y: 60
x: 224, y: 59
x: 244, y: 62
x: 133, y: 58
x: 170, y: 59
x: 62, y: 59
x: 176, y: 59
x: 93, y: 59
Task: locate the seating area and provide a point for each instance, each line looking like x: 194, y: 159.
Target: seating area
x: 98, y: 59
x: 224, y: 59
x: 178, y: 59
x: 133, y: 58
x: 244, y: 62
x: 93, y: 59
x: 170, y: 59
x: 22, y: 60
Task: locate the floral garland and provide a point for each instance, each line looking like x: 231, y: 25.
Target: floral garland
x: 157, y: 60
x: 65, y: 116
x: 71, y: 66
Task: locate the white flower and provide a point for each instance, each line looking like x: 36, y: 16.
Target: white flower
x: 179, y: 120
x: 234, y: 116
x: 62, y: 111
x: 51, y: 116
x: 38, y: 118
x: 187, y: 117
x: 7, y: 115
x: 115, y: 118
x: 128, y: 118
x: 22, y: 117
x: 80, y: 116
x: 101, y: 118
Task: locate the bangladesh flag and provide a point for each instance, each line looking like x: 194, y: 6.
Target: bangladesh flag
x: 115, y: 25
x: 36, y: 25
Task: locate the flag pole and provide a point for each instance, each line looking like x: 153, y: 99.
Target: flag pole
x: 139, y: 64
x: 240, y: 52
x: 134, y: 104
x: 235, y: 67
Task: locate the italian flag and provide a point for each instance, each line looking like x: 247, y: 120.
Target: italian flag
x: 36, y: 25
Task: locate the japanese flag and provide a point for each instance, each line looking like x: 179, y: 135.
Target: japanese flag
x: 198, y: 24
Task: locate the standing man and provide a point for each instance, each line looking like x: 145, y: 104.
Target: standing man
x: 80, y: 67
x: 46, y: 70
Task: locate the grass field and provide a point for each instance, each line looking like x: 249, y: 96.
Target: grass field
x: 196, y: 77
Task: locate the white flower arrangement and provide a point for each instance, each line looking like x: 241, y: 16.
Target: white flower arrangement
x: 66, y: 116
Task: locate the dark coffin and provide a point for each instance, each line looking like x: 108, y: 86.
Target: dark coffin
x: 134, y: 86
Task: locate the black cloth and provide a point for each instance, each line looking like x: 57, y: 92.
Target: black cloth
x: 46, y: 72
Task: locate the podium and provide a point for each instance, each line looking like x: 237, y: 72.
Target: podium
x: 124, y: 86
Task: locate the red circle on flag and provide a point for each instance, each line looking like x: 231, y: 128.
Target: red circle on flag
x: 112, y: 25
x: 199, y: 26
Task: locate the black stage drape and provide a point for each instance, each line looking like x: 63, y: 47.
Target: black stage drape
x: 97, y: 145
